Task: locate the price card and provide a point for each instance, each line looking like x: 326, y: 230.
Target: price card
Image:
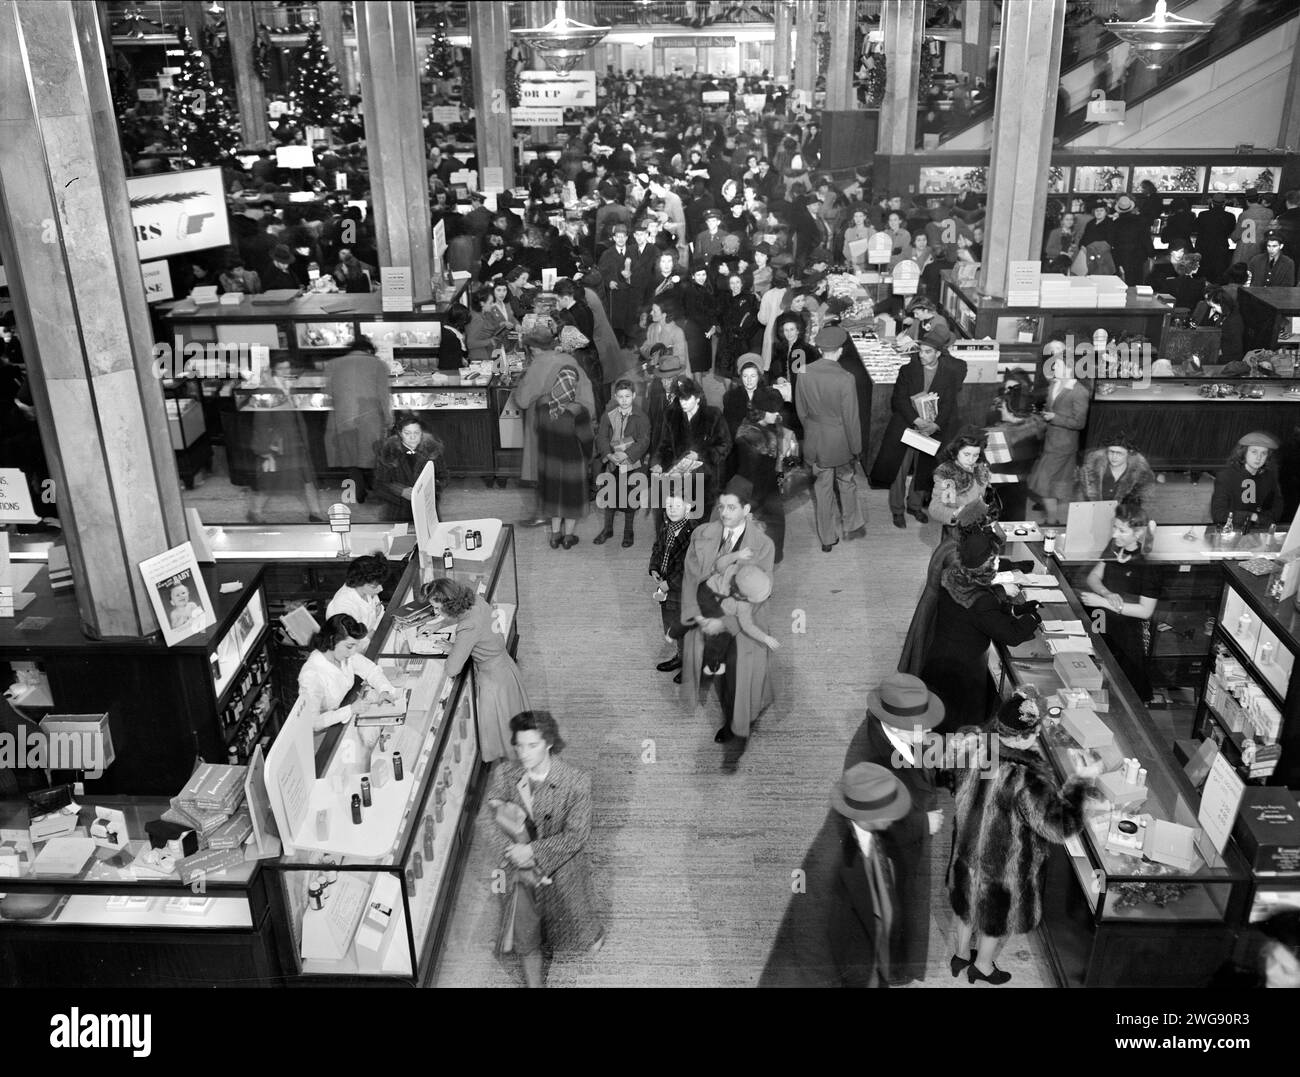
x: 1219, y: 802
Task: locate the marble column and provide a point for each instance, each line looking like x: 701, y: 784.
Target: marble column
x: 331, y: 33
x: 840, y: 24
x: 390, y: 101
x: 489, y: 23
x: 977, y: 38
x: 1289, y: 132
x: 903, y: 22
x: 805, y: 58
x: 783, y: 33
x: 241, y: 26
x: 1029, y: 69
x: 69, y: 249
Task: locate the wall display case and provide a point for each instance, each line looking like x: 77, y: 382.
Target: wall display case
x: 1250, y: 698
x: 1113, y: 916
x: 1101, y: 179
x: 950, y: 180
x: 1186, y: 423
x: 78, y: 913
x: 1232, y: 178
x: 1170, y: 179
x: 211, y: 695
x: 347, y: 919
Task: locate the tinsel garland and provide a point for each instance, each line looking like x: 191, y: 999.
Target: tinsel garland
x: 514, y: 87
x: 877, y: 68
x: 929, y: 59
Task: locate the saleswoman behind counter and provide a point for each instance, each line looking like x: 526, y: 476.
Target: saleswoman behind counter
x: 359, y: 595
x: 334, y: 669
x: 1126, y: 587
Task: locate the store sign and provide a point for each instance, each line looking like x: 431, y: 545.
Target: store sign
x: 716, y: 97
x: 395, y: 288
x: 157, y: 281
x: 536, y: 116
x: 572, y: 89
x: 446, y: 115
x: 178, y: 213
x: 15, y: 497
x: 147, y: 93
x: 699, y: 42
x: 1103, y: 110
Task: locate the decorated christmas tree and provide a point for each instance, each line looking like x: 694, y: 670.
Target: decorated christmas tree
x: 317, y: 88
x: 204, y: 123
x: 440, y: 60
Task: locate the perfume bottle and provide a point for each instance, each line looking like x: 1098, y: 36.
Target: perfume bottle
x: 398, y: 772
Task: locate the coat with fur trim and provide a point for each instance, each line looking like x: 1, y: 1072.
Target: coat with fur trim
x: 1004, y: 826
x: 1092, y: 472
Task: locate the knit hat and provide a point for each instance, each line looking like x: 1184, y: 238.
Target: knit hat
x: 977, y: 548
x: 741, y: 487
x: 753, y: 584
x: 1010, y: 722
x: 1259, y: 438
x: 768, y: 400
x: 830, y: 338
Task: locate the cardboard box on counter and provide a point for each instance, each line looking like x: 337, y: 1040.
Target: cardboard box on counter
x: 1267, y: 830
x: 232, y: 834
x: 1086, y: 728
x: 214, y: 787
x: 209, y: 862
x: 1119, y: 792
x: 1172, y: 844
x: 1077, y: 670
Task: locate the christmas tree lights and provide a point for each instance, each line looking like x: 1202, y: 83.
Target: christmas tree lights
x: 317, y: 88
x: 205, y: 130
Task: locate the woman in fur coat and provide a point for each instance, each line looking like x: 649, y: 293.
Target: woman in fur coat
x: 1114, y: 471
x: 1003, y: 829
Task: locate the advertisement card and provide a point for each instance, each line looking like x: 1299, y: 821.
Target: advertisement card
x: 178, y: 594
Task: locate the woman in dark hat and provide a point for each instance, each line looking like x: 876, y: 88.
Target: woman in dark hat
x: 1098, y: 229
x: 1005, y: 823
x: 970, y: 615
x: 738, y: 322
x: 700, y: 324
x: 564, y: 445
x: 1114, y: 471
x: 763, y: 444
x: 1246, y: 488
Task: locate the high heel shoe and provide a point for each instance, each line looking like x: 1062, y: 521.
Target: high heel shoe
x: 958, y: 963
x: 995, y: 978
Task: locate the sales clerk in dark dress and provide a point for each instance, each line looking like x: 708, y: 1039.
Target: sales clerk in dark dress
x: 1123, y: 588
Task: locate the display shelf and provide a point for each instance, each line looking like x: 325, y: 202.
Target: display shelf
x: 105, y: 924
x: 164, y: 703
x: 415, y: 865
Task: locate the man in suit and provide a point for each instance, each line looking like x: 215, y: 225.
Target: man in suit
x: 842, y: 929
x: 826, y: 399
x: 615, y: 267
x: 1272, y: 269
x: 661, y: 393
x: 645, y: 263
x: 899, y: 713
x: 746, y: 687
x: 932, y: 370
x: 278, y: 275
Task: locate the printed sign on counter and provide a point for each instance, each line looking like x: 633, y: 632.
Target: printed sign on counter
x: 157, y: 281
x: 178, y: 594
x: 15, y: 498
x: 1219, y: 802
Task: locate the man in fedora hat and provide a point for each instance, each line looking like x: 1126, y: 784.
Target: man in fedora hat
x: 1130, y: 241
x: 662, y: 370
x: 278, y: 275
x: 899, y: 714
x: 1214, y: 226
x: 841, y: 929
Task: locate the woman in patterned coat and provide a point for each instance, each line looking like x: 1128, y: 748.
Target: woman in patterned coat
x: 1003, y: 828
x: 559, y: 912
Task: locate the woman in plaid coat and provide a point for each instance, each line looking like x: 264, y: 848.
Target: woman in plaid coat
x: 559, y: 912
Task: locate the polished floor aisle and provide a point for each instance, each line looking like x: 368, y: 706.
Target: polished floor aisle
x: 693, y: 849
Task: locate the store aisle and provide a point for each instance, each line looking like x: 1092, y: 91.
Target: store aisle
x: 692, y: 864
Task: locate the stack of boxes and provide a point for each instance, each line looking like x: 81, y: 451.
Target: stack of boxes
x: 212, y: 804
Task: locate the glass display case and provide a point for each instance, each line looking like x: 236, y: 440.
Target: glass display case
x: 1101, y: 179
x: 1114, y: 894
x: 1232, y: 178
x: 314, y: 335
x: 1248, y: 703
x: 1170, y: 179
x: 352, y: 915
x: 86, y: 907
x: 949, y: 179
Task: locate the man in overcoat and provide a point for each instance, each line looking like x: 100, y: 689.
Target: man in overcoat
x: 826, y: 399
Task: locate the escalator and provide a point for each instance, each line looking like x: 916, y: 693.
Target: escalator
x: 1226, y: 89
x: 1093, y: 58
